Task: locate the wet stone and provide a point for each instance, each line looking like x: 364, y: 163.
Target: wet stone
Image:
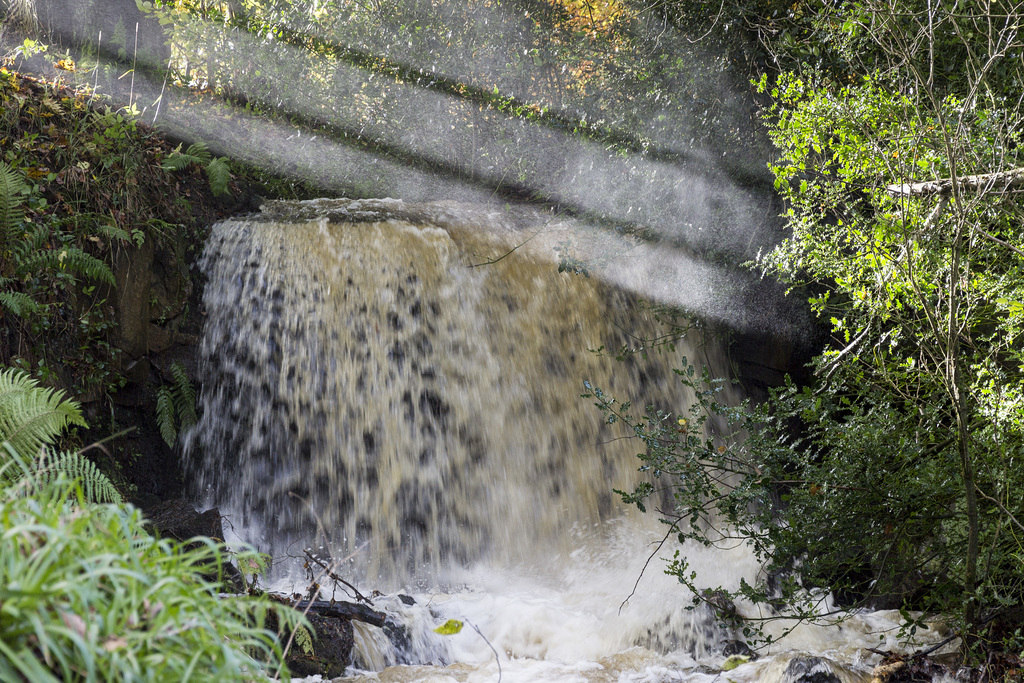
x: 810, y: 670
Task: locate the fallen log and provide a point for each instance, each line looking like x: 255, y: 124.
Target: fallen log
x: 333, y: 609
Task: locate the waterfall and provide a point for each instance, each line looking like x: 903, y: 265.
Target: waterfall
x: 422, y: 405
x: 398, y: 386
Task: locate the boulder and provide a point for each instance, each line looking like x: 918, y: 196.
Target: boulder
x: 178, y: 520
x: 328, y: 654
x: 811, y: 670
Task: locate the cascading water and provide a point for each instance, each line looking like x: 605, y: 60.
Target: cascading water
x: 399, y: 385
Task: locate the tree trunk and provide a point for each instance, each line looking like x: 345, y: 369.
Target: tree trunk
x: 955, y: 385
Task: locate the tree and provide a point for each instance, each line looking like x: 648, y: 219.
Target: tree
x: 899, y: 160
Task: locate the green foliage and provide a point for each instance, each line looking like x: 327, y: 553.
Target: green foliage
x: 11, y: 188
x: 31, y: 419
x: 175, y: 405
x: 217, y: 170
x: 919, y: 269
x: 88, y: 595
x: 197, y: 153
x: 19, y: 303
x: 40, y: 263
x: 66, y: 260
x: 31, y: 416
x: 82, y: 185
x: 219, y: 174
x: 96, y: 486
x: 893, y: 478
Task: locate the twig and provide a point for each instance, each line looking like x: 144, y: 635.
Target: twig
x: 99, y: 51
x: 334, y: 577
x: 135, y: 61
x: 945, y: 641
x: 497, y: 659
x: 509, y: 252
x: 648, y: 562
x: 163, y: 87
x: 99, y: 444
x: 1000, y: 506
x: 713, y: 25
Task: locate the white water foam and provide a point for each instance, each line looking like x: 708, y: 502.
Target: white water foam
x: 571, y: 621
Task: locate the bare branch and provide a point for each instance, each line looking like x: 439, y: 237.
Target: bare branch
x: 1001, y: 180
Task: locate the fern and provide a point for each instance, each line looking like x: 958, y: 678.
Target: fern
x: 165, y: 415
x: 195, y: 154
x: 175, y: 405
x: 11, y: 187
x: 217, y: 170
x: 219, y: 174
x: 184, y: 396
x: 112, y: 232
x: 96, y: 486
x: 52, y: 104
x: 18, y: 303
x: 33, y: 238
x: 70, y: 259
x: 31, y: 416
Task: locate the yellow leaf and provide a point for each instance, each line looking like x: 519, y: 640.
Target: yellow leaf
x: 734, y: 661
x: 449, y: 628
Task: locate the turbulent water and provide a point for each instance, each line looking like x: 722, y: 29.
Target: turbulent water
x: 398, y: 387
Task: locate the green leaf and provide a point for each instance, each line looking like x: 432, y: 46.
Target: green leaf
x: 449, y: 628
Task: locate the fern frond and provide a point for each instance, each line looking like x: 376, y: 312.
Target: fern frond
x: 10, y: 202
x: 96, y: 486
x: 219, y: 174
x: 112, y: 232
x: 178, y: 160
x: 32, y: 416
x: 184, y: 397
x: 18, y: 303
x: 165, y: 415
x: 69, y: 259
x: 199, y: 150
x: 195, y: 154
x: 34, y: 237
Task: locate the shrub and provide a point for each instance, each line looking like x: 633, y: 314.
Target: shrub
x: 86, y: 594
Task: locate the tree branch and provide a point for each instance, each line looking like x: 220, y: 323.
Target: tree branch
x: 1003, y: 180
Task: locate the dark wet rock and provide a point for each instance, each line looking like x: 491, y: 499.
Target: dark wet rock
x: 738, y: 647
x: 401, y: 640
x: 328, y: 654
x: 177, y: 519
x: 810, y: 670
